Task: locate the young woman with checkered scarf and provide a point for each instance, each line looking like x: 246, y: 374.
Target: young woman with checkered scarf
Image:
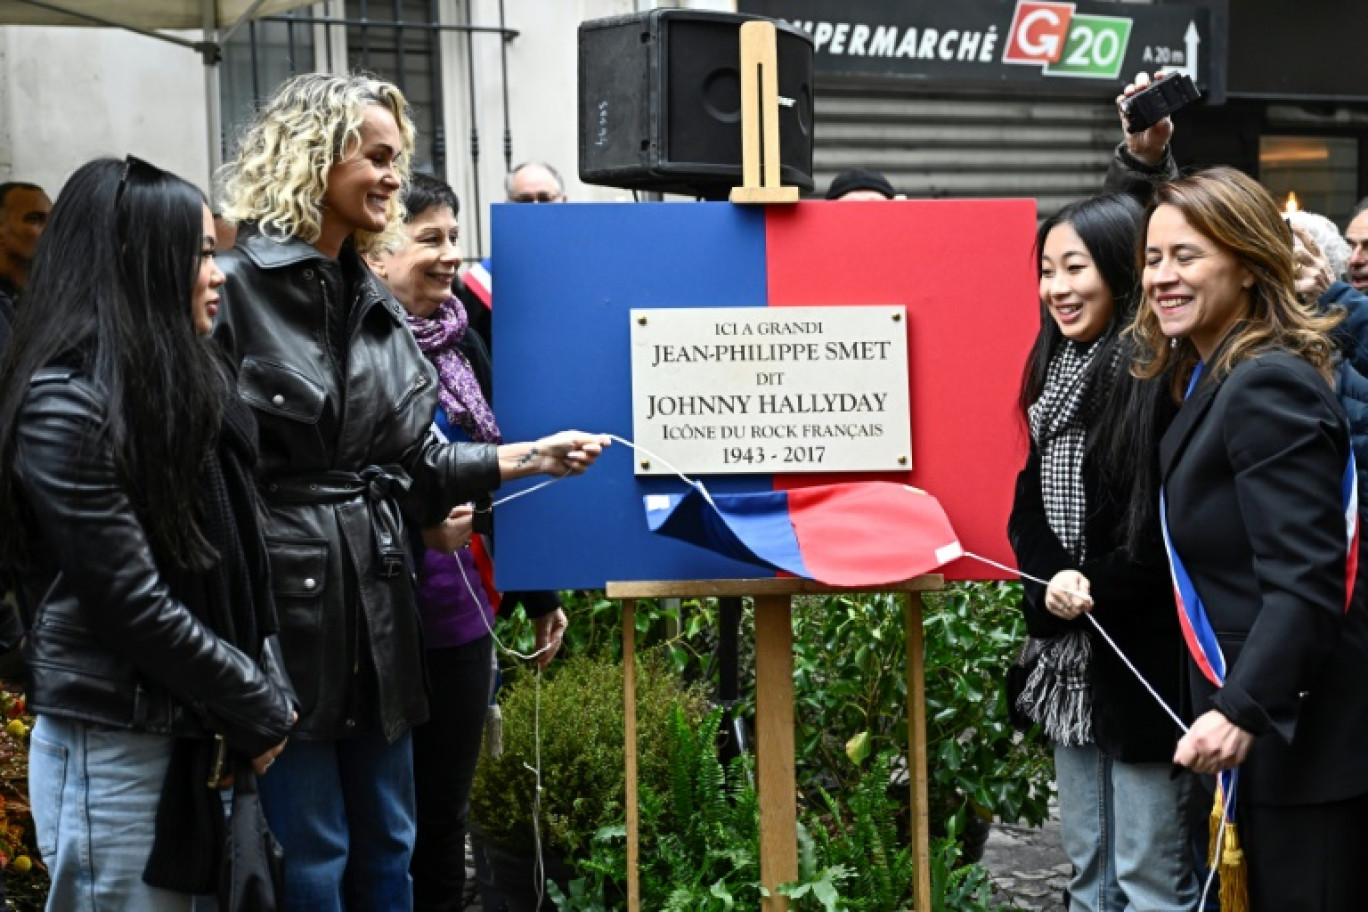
x: 1083, y: 518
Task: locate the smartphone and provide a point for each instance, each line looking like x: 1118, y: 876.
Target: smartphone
x: 1146, y: 108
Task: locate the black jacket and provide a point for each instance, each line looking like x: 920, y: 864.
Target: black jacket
x: 1252, y: 467
x: 344, y: 401
x: 110, y: 643
x: 1133, y: 602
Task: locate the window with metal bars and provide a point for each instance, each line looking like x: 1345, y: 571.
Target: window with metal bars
x: 398, y: 40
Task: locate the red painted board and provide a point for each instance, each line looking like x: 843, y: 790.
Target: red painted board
x: 964, y: 270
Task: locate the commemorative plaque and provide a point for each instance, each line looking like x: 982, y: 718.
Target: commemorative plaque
x: 736, y: 390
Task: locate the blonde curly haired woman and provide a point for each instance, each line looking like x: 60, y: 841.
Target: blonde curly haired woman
x: 344, y: 400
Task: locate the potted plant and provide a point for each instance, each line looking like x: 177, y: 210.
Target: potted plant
x: 578, y: 710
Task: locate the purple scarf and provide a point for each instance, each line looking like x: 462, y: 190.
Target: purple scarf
x: 459, y: 390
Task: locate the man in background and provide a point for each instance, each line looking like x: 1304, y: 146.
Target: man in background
x: 24, y: 210
x: 1357, y: 235
x: 860, y: 185
x: 534, y: 182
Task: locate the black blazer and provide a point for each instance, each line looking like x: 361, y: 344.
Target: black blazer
x: 1252, y: 468
x: 1133, y: 602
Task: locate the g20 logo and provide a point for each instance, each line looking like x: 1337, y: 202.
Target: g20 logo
x: 1050, y: 35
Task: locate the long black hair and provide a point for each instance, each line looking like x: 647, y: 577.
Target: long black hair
x: 1122, y: 437
x: 110, y: 296
x: 1107, y: 226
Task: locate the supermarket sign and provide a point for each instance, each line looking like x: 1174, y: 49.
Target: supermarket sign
x: 1076, y: 47
x: 1063, y: 42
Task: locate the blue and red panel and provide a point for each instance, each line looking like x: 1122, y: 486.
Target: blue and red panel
x: 566, y: 278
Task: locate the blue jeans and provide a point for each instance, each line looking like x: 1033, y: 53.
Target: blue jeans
x: 94, y: 792
x: 1124, y: 829
x: 344, y: 813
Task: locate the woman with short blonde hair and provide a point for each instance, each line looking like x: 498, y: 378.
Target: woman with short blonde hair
x: 280, y: 176
x: 344, y: 400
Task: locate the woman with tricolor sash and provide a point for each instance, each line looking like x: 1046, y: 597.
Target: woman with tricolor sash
x: 1259, y: 505
x: 1082, y: 521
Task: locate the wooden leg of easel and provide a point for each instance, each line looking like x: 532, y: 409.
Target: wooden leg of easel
x: 629, y: 724
x: 916, y: 740
x: 774, y: 746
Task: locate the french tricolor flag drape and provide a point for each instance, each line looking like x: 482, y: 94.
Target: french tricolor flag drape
x: 854, y: 534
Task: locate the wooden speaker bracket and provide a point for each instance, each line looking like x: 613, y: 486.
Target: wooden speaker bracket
x: 760, y: 118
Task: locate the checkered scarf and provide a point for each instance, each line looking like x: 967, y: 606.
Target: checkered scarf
x: 1058, y: 422
x: 1058, y: 692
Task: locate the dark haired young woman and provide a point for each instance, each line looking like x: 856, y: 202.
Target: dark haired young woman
x: 1083, y: 518
x: 126, y: 477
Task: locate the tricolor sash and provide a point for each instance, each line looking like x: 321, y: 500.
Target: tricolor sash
x: 1192, y: 616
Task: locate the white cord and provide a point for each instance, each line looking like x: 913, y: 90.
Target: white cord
x: 625, y: 442
x: 536, y: 487
x: 1110, y: 642
x: 1215, y: 863
x: 539, y: 866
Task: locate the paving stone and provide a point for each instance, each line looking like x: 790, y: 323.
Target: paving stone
x: 1027, y: 865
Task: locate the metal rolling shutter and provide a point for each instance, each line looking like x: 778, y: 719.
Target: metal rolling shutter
x: 941, y: 146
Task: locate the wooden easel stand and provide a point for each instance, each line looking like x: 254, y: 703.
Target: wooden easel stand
x: 776, y: 781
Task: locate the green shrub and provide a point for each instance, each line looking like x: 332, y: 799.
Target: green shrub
x: 580, y: 708
x: 851, y: 699
x: 700, y: 845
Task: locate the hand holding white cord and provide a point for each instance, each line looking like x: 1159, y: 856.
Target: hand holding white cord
x: 1068, y: 595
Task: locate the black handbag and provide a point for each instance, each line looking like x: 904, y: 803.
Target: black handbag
x: 252, y: 876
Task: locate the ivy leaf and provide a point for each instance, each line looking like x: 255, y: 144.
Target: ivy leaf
x: 857, y: 748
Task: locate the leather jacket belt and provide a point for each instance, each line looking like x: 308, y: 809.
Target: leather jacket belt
x: 381, y: 486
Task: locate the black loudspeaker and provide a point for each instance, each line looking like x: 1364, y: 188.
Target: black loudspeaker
x: 660, y: 102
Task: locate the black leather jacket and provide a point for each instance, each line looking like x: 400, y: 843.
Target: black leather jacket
x: 109, y: 643
x: 344, y: 402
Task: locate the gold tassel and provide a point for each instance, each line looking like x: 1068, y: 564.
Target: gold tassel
x: 1234, y: 877
x: 1214, y: 826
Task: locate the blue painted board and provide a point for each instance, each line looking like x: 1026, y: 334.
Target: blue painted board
x: 565, y: 280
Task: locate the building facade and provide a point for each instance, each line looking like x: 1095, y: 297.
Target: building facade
x: 977, y: 98
x: 492, y: 82
x: 993, y: 98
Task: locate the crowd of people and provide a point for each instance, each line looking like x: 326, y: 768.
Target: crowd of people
x: 1190, y: 502
x: 223, y: 471
x: 247, y: 480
